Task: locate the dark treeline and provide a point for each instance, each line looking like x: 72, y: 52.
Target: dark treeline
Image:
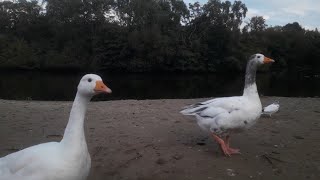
x: 147, y: 35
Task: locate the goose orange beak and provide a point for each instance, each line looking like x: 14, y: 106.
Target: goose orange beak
x: 267, y: 60
x: 102, y: 88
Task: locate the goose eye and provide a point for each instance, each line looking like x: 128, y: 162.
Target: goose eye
x: 258, y: 56
x: 89, y: 80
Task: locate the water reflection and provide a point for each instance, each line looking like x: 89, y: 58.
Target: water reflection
x: 62, y: 86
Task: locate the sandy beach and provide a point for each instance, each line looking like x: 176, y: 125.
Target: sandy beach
x: 150, y: 139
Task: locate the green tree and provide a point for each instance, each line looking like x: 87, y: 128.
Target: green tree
x: 256, y: 24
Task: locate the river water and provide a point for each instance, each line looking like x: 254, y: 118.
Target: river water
x: 22, y: 85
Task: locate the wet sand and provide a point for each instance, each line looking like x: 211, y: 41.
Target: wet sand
x: 150, y: 139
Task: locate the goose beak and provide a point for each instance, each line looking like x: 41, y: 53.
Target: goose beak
x: 102, y: 88
x: 267, y: 60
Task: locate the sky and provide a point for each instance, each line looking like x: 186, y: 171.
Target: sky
x: 282, y: 12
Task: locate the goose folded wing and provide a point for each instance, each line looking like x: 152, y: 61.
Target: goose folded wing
x: 15, y: 162
x: 228, y: 104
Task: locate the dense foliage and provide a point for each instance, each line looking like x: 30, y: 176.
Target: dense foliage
x: 147, y: 35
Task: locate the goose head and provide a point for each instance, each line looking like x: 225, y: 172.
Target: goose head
x: 260, y: 59
x: 250, y: 77
x: 92, y: 84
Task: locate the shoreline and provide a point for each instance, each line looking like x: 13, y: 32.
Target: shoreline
x: 186, y: 99
x: 150, y: 139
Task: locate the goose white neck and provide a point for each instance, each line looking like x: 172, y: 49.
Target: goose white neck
x: 251, y: 90
x: 74, y: 132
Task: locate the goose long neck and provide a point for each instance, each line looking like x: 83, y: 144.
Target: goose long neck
x: 250, y: 87
x: 74, y: 132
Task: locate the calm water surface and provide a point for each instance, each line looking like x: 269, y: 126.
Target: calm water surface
x: 62, y: 86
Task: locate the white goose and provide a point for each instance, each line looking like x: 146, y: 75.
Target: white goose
x: 271, y: 109
x: 222, y: 116
x: 65, y: 160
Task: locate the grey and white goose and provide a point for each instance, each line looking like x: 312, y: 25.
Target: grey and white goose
x: 226, y: 115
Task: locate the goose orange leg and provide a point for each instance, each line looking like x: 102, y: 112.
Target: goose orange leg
x: 225, y: 145
x: 231, y: 150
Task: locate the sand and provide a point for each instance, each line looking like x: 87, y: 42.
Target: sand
x: 149, y: 139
